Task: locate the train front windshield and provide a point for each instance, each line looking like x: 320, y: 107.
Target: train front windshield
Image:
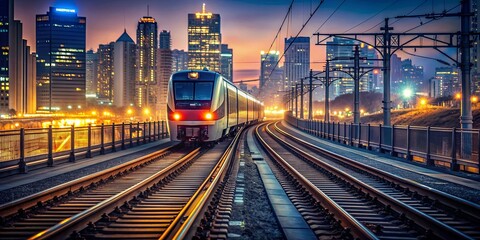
x: 193, y: 95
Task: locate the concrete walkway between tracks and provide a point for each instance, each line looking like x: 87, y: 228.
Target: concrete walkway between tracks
x: 48, y: 172
x: 291, y: 221
x: 468, y: 180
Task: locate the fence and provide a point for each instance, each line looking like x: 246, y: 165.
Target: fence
x: 457, y: 149
x: 27, y: 147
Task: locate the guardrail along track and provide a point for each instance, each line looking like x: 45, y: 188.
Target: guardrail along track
x: 385, y: 216
x: 459, y: 214
x: 28, y: 216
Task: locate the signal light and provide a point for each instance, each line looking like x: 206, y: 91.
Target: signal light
x: 176, y: 116
x: 208, y: 116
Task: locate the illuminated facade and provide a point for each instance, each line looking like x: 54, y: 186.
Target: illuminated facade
x: 105, y: 73
x: 124, y: 69
x: 179, y: 60
x: 164, y: 71
x: 204, y: 40
x: 91, y: 74
x: 412, y: 76
x: 61, y: 63
x: 226, y: 62
x: 22, y: 71
x: 297, y: 60
x: 6, y: 19
x: 271, y: 80
x: 447, y: 80
x: 476, y: 49
x: 146, y: 76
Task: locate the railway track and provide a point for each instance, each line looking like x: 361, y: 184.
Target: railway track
x: 371, y: 206
x: 29, y: 216
x: 161, y: 199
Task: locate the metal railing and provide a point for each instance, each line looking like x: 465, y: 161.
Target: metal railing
x: 457, y: 149
x: 22, y: 148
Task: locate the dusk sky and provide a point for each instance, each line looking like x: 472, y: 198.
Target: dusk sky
x: 247, y: 26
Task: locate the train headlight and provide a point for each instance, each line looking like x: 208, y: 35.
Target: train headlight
x: 193, y: 75
x: 176, y: 116
x: 208, y: 116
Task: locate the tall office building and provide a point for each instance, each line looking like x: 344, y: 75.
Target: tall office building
x: 475, y: 49
x: 21, y: 72
x: 448, y: 81
x: 412, y: 76
x: 297, y: 60
x: 372, y: 80
x: 204, y: 40
x: 164, y: 71
x: 226, y: 62
x: 124, y: 69
x: 342, y: 49
x: 61, y: 64
x: 105, y: 73
x: 271, y: 80
x: 396, y: 73
x: 147, y: 44
x: 6, y: 21
x: 179, y: 60
x: 91, y: 74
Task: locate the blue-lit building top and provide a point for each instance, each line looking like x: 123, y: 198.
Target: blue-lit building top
x: 61, y: 37
x: 6, y: 19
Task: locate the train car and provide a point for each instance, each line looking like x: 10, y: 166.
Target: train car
x: 203, y: 106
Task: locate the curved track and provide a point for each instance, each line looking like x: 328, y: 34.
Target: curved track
x: 385, y: 208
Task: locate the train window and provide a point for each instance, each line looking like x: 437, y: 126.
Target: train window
x: 184, y: 90
x: 203, y: 90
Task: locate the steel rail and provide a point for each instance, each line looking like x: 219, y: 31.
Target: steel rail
x: 470, y: 209
x: 439, y: 229
x: 198, y: 201
x: 347, y: 220
x: 13, y: 207
x: 80, y: 220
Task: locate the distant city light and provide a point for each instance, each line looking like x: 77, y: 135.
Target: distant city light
x: 407, y: 93
x: 65, y: 10
x: 474, y: 99
x: 458, y: 96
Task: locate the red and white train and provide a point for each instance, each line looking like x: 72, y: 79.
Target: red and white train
x: 203, y: 106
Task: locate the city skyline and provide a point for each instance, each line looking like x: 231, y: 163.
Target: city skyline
x: 261, y: 16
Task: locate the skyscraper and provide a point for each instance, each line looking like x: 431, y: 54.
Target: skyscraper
x: 179, y: 60
x: 147, y: 43
x: 91, y: 74
x: 447, y: 80
x: 226, y: 62
x: 412, y: 76
x: 297, y: 60
x: 6, y: 20
x: 204, y: 40
x: 164, y: 72
x: 105, y: 73
x: 476, y: 49
x: 342, y: 49
x: 271, y: 80
x: 124, y: 69
x: 61, y: 35
x: 21, y: 72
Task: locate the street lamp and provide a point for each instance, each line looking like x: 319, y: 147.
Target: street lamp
x: 474, y: 99
x: 407, y: 94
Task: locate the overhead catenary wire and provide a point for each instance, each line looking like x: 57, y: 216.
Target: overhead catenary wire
x: 431, y: 20
x: 411, y: 11
x: 295, y: 38
x: 373, y: 16
x: 326, y: 20
x: 280, y: 28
